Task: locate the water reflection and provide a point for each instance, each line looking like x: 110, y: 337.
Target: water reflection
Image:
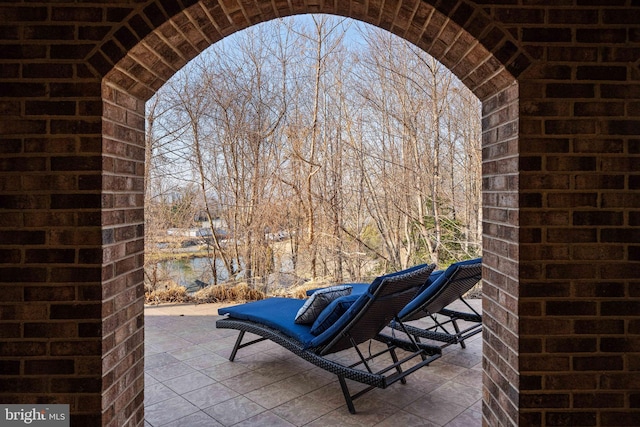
x: 185, y: 272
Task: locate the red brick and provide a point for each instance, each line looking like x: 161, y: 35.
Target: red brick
x: 621, y: 381
x: 569, y: 90
x: 570, y: 345
x: 598, y: 400
x: 571, y: 235
x: 596, y: 145
x: 49, y: 367
x: 617, y: 35
x: 557, y: 400
x: 49, y: 293
x: 596, y: 218
x: 572, y: 418
x: 22, y: 348
x: 51, y: 330
x: 598, y: 363
x: 600, y: 290
x: 617, y: 418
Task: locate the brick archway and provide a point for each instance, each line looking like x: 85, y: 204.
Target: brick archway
x: 560, y: 88
x: 463, y: 38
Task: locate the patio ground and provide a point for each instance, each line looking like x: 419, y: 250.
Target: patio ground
x: 190, y: 382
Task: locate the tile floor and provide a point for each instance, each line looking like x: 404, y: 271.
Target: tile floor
x: 190, y: 382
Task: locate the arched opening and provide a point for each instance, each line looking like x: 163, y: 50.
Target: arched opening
x: 462, y: 38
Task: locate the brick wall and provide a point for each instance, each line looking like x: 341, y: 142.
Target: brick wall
x: 123, y: 258
x: 500, y: 252
x: 560, y: 84
x: 578, y: 163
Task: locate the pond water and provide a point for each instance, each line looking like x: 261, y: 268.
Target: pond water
x: 186, y: 271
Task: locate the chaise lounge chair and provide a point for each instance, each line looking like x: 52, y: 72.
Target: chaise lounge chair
x: 441, y: 289
x: 346, y: 322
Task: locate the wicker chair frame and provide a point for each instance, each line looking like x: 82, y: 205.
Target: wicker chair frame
x: 360, y: 372
x: 367, y: 324
x: 463, y: 279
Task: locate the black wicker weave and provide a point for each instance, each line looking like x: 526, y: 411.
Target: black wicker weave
x: 463, y: 279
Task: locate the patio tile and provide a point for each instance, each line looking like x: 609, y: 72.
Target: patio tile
x: 158, y: 360
x: 189, y: 352
x: 170, y: 343
x: 471, y: 378
x: 465, y: 419
x: 302, y: 410
x: 464, y: 358
x: 168, y: 410
x: 369, y: 412
x: 210, y: 395
x: 434, y: 409
x: 247, y: 382
x: 149, y: 380
x: 329, y: 395
x: 157, y: 392
x: 225, y: 371
x: 457, y: 393
x: 264, y: 419
x: 234, y: 410
x: 169, y: 371
x: 273, y: 395
x: 189, y: 381
x: 445, y: 370
x: 199, y: 419
x: 305, y: 382
x: 406, y: 419
x: 399, y: 395
x: 205, y: 361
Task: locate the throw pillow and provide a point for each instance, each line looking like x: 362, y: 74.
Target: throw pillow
x: 332, y: 313
x: 318, y: 301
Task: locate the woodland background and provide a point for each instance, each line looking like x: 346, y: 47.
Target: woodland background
x: 316, y: 146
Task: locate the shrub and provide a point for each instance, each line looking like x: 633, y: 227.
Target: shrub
x: 228, y: 293
x: 174, y: 293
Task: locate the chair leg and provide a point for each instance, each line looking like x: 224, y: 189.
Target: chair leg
x: 394, y: 357
x: 457, y: 328
x: 347, y: 395
x: 236, y: 346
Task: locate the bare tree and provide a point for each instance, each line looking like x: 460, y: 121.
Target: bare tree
x: 319, y: 150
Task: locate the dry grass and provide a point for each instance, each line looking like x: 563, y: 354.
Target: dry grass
x: 239, y: 292
x: 300, y: 291
x: 228, y: 293
x: 173, y: 293
x: 220, y: 293
x: 242, y: 292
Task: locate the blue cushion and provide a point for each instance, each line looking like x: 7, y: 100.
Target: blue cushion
x: 318, y: 301
x: 361, y: 301
x: 333, y: 312
x: 436, y: 280
x: 432, y: 278
x: 277, y: 313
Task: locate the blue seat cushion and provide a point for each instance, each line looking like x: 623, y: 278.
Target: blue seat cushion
x: 437, y: 279
x: 277, y: 313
